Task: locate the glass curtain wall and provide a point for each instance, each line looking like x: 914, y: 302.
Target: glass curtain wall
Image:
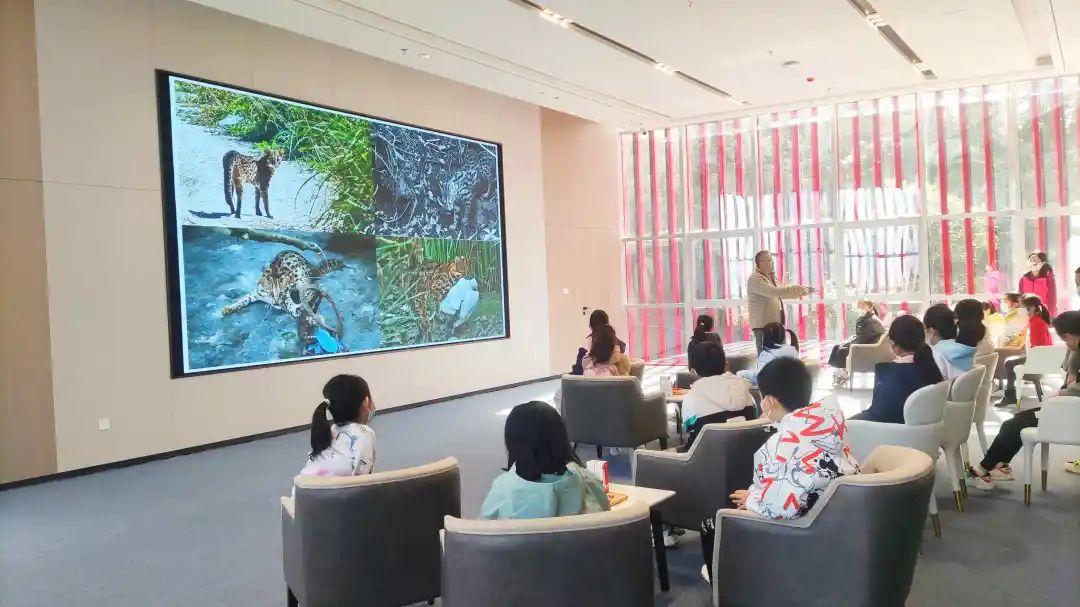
x: 905, y: 200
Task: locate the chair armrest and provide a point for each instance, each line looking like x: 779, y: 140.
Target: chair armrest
x: 653, y: 416
x: 651, y: 468
x: 288, y: 506
x: 744, y: 540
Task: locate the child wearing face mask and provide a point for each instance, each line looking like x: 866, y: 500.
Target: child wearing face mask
x: 805, y: 453
x: 346, y: 448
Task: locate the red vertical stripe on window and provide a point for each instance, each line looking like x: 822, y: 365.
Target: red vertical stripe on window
x: 1036, y: 146
x: 880, y: 261
x: 673, y: 224
x: 740, y: 191
x: 639, y: 196
x: 796, y: 188
x: 943, y: 187
x: 856, y: 160
x: 706, y: 246
x: 965, y: 176
x: 1062, y: 190
x: 898, y: 175
x: 721, y: 196
x: 657, y: 249
x: 776, y: 196
x: 988, y: 167
x: 630, y: 342
x: 819, y: 251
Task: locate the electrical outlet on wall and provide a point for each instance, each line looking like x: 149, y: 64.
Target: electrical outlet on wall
x: 565, y: 291
x: 103, y: 423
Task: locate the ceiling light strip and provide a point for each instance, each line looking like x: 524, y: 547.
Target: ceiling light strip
x: 875, y: 19
x: 570, y: 24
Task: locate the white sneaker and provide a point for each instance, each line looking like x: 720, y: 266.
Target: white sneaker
x: 1073, y: 466
x: 705, y: 574
x: 1002, y: 473
x: 982, y: 483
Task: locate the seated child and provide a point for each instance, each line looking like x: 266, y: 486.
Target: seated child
x: 348, y: 447
x: 773, y: 346
x: 913, y: 368
x: 795, y: 465
x: 543, y: 476
x: 605, y: 358
x: 717, y: 396
x: 597, y: 319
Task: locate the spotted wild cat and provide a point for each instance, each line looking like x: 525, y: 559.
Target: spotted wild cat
x: 239, y: 168
x: 436, y: 279
x: 287, y: 284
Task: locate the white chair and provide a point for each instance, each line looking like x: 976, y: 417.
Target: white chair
x: 1041, y: 360
x: 1059, y: 422
x: 924, y: 411
x: 982, y: 401
x: 956, y: 427
x: 862, y: 358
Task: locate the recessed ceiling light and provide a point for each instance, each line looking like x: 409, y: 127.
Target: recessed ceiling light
x: 425, y: 56
x: 556, y: 18
x: 875, y: 19
x: 663, y: 67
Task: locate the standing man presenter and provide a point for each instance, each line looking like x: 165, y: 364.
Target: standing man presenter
x: 764, y: 295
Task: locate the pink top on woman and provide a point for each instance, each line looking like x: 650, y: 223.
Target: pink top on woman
x: 1044, y: 287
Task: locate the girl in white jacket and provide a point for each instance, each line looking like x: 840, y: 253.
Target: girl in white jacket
x: 772, y: 347
x: 717, y: 396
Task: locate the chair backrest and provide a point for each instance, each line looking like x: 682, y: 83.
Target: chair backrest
x: 886, y: 506
x: 793, y: 339
x: 685, y: 379
x: 602, y: 559
x: 374, y: 539
x: 637, y: 369
x: 862, y: 358
x: 982, y: 399
x: 720, y: 461
x: 965, y: 387
x: 741, y: 362
x: 926, y: 405
x: 1059, y: 420
x: 599, y: 410
x: 1045, y: 359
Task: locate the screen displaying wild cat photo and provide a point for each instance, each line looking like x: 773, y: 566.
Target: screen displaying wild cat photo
x: 296, y: 231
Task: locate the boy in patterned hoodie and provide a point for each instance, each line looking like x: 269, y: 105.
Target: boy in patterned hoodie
x: 807, y: 450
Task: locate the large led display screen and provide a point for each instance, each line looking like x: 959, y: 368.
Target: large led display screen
x: 296, y: 231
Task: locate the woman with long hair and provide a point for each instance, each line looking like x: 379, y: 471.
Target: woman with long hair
x: 1039, y: 280
x: 605, y: 358
x: 868, y: 330
x: 971, y: 325
x: 597, y: 319
x: 913, y: 368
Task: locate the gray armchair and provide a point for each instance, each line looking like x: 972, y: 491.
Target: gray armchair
x: 612, y: 412
x: 871, y: 522
x: 368, y: 540
x: 685, y: 379
x: 600, y: 560
x: 637, y: 369
x: 720, y: 461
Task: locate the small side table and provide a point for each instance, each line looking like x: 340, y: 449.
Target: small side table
x: 651, y: 498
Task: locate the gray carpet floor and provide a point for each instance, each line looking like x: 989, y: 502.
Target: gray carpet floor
x: 203, y: 529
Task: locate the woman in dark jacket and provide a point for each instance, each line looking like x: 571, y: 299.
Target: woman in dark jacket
x: 703, y: 331
x: 913, y: 368
x: 868, y: 330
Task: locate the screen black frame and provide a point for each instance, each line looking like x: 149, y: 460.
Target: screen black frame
x: 172, y: 241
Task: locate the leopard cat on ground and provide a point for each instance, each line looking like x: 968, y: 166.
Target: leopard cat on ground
x: 436, y: 279
x: 239, y: 168
x: 288, y: 284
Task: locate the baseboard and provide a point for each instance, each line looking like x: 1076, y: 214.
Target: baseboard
x: 244, y: 439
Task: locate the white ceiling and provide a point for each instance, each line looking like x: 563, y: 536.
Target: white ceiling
x: 738, y: 46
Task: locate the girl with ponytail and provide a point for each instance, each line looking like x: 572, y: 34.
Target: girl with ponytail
x: 347, y: 447
x: 1038, y: 334
x: 703, y: 331
x: 971, y: 327
x: 913, y: 368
